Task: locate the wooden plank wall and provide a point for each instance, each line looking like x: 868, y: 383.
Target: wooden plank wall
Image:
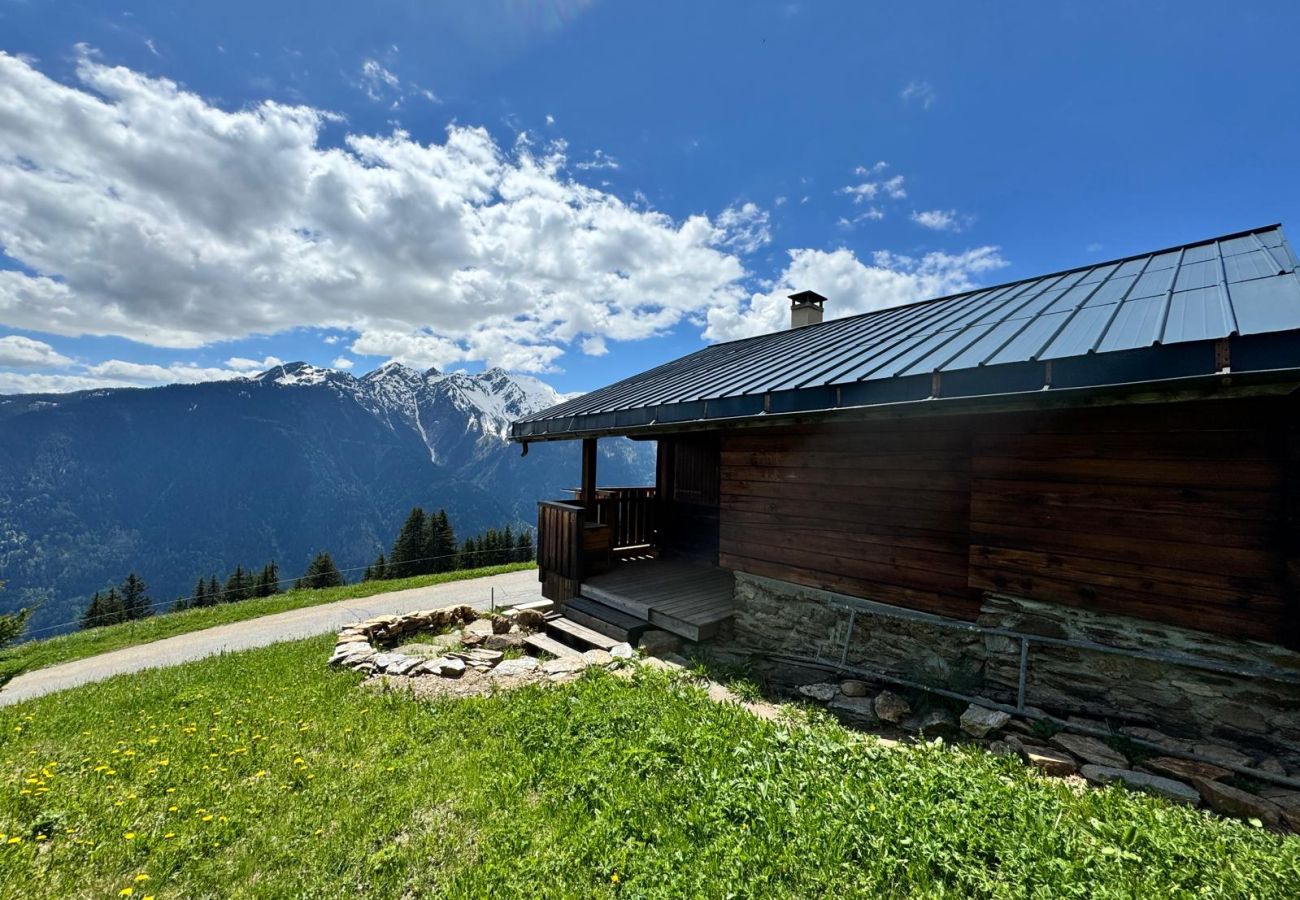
x: 688, y: 497
x: 1172, y: 513
x: 1175, y: 513
x: 873, y: 512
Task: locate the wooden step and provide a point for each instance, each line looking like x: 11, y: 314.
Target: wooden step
x: 607, y: 620
x: 550, y: 645
x: 572, y: 633
x: 539, y: 605
x: 615, y: 601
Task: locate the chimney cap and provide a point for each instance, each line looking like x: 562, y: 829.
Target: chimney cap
x: 806, y: 298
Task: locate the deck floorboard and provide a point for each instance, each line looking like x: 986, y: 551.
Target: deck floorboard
x: 670, y: 592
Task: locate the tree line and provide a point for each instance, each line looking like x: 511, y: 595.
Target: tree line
x: 426, y: 544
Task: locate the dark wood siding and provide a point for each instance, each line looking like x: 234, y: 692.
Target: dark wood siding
x: 688, y: 497
x: 1176, y: 513
x: 874, y: 512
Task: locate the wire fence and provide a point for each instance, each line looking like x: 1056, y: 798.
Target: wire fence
x: 164, y: 605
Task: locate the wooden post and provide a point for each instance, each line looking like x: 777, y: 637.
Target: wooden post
x: 589, y: 476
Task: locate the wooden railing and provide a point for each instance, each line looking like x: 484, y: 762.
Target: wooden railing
x: 630, y: 513
x: 575, y: 539
x: 559, y: 538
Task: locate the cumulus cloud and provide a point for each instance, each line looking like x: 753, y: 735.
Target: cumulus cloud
x: 940, y: 219
x: 853, y: 286
x: 599, y: 160
x: 21, y: 352
x: 743, y: 228
x: 342, y: 362
x: 866, y: 191
x: 142, y: 210
x: 243, y: 364
x: 919, y: 92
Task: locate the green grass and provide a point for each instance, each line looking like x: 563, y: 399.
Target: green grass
x: 264, y: 774
x: 80, y: 644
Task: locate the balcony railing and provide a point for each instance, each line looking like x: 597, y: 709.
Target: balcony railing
x: 576, y: 539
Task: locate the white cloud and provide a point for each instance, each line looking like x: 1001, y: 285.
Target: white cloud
x: 893, y: 188
x: 377, y: 81
x: 21, y: 352
x: 744, y: 228
x: 550, y: 120
x: 865, y: 191
x: 594, y: 346
x: 940, y: 219
x: 599, y: 160
x: 122, y: 372
x: 852, y: 286
x: 243, y: 364
x: 919, y: 92
x: 153, y: 215
x: 342, y: 362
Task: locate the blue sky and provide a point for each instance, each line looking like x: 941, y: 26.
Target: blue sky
x: 585, y: 189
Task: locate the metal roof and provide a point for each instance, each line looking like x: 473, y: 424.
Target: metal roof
x: 1140, y: 319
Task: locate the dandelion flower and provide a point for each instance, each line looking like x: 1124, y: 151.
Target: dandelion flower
x: 130, y: 835
x: 126, y: 892
x: 142, y: 877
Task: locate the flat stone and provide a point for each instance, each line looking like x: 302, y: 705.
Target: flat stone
x: 1155, y: 737
x: 1187, y: 769
x: 506, y: 641
x: 1224, y: 756
x: 1141, y: 781
x: 892, y: 708
x: 564, y: 665
x: 1271, y: 765
x: 822, y: 693
x: 1090, y: 750
x: 403, y: 665
x: 383, y: 660
x: 1049, y: 760
x: 979, y: 721
x: 597, y: 657
x: 481, y: 627
x: 1289, y: 803
x: 857, y: 710
x: 1230, y: 801
x: 483, y: 655
x: 657, y: 642
x: 522, y: 665
x: 851, y: 687
x: 935, y: 723
x: 622, y: 651
x: 449, y: 667
x: 469, y: 639
x: 1002, y: 748
x: 500, y: 624
x: 530, y: 620
x: 352, y: 639
x: 424, y: 651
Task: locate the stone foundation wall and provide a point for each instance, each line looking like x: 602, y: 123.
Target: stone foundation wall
x: 776, y: 617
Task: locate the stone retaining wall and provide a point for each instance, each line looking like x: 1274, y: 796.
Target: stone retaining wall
x: 1262, y: 714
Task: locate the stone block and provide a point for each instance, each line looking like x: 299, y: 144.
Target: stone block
x: 1141, y: 781
x: 980, y: 721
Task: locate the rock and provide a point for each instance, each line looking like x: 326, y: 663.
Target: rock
x: 1188, y: 769
x: 1289, y: 803
x: 856, y: 710
x: 503, y: 641
x: 1230, y: 801
x: 482, y: 655
x: 564, y: 665
x: 530, y: 620
x: 1154, y: 737
x: 933, y: 724
x: 1021, y: 726
x: 1002, y: 748
x: 666, y: 665
x: 892, y: 708
x: 1141, y: 781
x: 597, y: 657
x: 1270, y: 764
x: 481, y: 627
x: 1224, y: 756
x: 979, y: 721
x: 403, y: 665
x: 522, y: 665
x: 622, y: 651
x: 383, y: 660
x: 1049, y: 760
x: 1090, y: 750
x: 656, y: 642
x: 822, y: 693
x: 449, y: 667
x: 851, y: 687
x: 470, y: 639
x: 500, y: 624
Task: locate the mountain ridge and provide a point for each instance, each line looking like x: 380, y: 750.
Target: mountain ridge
x: 189, y: 479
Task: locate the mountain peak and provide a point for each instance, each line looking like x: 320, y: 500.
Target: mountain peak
x: 295, y: 373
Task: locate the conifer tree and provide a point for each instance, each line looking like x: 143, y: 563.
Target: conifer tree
x: 214, y: 591
x: 524, y: 547
x: 377, y: 570
x: 135, y: 602
x: 268, y: 580
x: 409, y: 548
x: 322, y: 573
x: 199, y: 597
x: 13, y: 624
x: 238, y: 586
x: 441, y: 547
x: 507, y: 545
x: 91, y: 618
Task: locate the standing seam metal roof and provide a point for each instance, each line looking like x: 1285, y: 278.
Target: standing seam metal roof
x: 1232, y: 286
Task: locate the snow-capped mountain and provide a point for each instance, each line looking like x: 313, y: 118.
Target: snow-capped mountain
x: 177, y: 481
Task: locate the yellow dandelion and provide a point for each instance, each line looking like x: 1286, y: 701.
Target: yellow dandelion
x: 14, y: 840
x: 142, y: 877
x: 40, y: 837
x: 130, y: 835
x: 126, y: 892
x: 169, y: 835
x: 208, y: 817
x: 614, y: 878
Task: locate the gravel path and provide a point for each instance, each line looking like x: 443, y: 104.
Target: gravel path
x: 511, y: 588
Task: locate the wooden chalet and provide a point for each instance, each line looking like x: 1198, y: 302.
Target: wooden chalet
x: 1120, y: 437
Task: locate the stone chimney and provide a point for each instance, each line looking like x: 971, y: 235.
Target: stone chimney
x: 806, y: 308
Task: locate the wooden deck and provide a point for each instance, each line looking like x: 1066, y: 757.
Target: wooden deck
x: 685, y: 598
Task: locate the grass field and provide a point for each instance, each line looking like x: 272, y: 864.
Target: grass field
x: 264, y: 774
x: 80, y: 644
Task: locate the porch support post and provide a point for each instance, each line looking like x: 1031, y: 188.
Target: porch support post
x: 589, y: 476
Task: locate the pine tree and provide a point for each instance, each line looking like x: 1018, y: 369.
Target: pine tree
x: 507, y: 545
x: 322, y: 573
x: 524, y: 547
x: 104, y: 609
x: 441, y: 546
x: 135, y: 602
x: 94, y: 613
x: 214, y: 591
x: 465, y: 559
x: 408, y: 549
x: 199, y: 598
x: 238, y: 586
x: 268, y: 580
x: 13, y: 624
x: 377, y: 570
